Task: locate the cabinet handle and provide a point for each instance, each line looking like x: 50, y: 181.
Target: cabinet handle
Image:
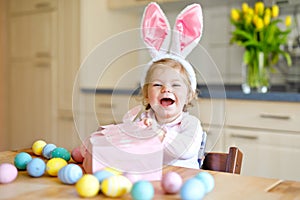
x: 105, y: 105
x: 42, y: 54
x: 42, y: 65
x: 247, y: 137
x: 67, y: 118
x: 270, y: 116
x: 42, y: 5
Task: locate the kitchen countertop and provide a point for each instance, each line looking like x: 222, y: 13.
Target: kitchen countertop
x: 276, y: 93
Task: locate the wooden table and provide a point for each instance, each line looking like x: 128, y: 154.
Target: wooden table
x: 227, y: 186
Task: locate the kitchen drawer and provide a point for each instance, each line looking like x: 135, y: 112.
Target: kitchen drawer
x: 210, y: 111
x: 266, y: 153
x: 263, y: 114
x: 112, y: 108
x: 24, y: 6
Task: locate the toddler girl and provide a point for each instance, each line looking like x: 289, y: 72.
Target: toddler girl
x: 167, y: 93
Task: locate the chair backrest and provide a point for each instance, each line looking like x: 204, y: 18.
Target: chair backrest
x: 230, y: 162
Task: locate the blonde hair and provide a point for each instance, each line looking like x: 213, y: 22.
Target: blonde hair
x: 172, y: 64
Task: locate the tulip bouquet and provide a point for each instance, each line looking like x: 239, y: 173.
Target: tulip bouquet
x: 257, y: 30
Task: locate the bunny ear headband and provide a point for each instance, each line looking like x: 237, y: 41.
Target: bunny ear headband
x: 156, y: 35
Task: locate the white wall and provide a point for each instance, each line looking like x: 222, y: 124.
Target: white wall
x: 215, y: 59
x: 100, y: 25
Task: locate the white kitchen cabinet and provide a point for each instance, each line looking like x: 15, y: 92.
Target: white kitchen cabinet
x: 211, y: 113
x: 104, y: 109
x: 26, y: 6
x: 269, y: 115
x: 67, y: 133
x: 272, y: 154
x: 268, y: 134
x: 68, y: 51
x: 31, y: 64
x: 31, y: 36
x: 30, y: 110
x: 43, y: 59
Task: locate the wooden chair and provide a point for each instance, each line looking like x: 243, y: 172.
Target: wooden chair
x: 230, y: 162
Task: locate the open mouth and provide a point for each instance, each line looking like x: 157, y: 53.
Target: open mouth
x: 166, y: 101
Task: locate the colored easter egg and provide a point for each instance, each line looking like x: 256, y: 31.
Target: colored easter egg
x: 8, y: 173
x: 36, y: 167
x: 21, y: 160
x: 76, y: 155
x: 60, y: 152
x: 70, y: 174
x: 54, y: 165
x: 171, y: 182
x: 87, y: 186
x: 103, y: 174
x: 193, y: 188
x: 207, y: 179
x: 37, y: 147
x: 113, y: 170
x: 48, y: 148
x: 116, y: 186
x: 142, y: 190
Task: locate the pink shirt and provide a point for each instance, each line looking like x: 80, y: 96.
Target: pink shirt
x: 182, y: 140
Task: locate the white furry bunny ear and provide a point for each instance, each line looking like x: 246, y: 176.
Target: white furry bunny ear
x: 155, y: 30
x: 187, y: 30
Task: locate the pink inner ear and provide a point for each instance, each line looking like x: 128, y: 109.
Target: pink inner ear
x: 189, y: 26
x: 155, y: 27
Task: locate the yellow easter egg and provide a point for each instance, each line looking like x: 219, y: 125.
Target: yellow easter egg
x: 116, y: 186
x: 54, y: 165
x: 87, y: 186
x: 37, y: 147
x: 113, y: 170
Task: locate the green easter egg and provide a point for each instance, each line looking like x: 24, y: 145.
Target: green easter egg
x: 60, y: 152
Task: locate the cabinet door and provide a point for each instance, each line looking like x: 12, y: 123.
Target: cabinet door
x: 31, y: 36
x: 68, y: 51
x: 25, y: 6
x: 267, y: 154
x: 67, y: 135
x: 30, y: 103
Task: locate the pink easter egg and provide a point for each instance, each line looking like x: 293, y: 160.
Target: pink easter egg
x: 171, y: 182
x: 8, y: 173
x: 76, y: 155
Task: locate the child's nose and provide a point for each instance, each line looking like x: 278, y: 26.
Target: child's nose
x: 166, y: 88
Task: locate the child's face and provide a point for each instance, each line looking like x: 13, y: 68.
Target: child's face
x: 167, y: 93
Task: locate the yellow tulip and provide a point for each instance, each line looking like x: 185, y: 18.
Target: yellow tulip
x: 248, y: 19
x: 245, y: 7
x: 268, y: 11
x: 267, y: 20
x: 288, y: 20
x: 255, y: 19
x: 259, y: 24
x: 275, y: 11
x: 259, y: 8
x: 235, y: 15
x: 250, y: 11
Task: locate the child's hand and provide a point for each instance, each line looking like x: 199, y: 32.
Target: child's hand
x: 147, y: 122
x: 161, y: 134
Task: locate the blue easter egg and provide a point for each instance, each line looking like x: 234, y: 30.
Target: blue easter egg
x: 48, y: 148
x: 21, y: 160
x: 192, y: 189
x: 103, y: 174
x: 207, y: 179
x: 142, y: 190
x: 36, y: 167
x: 70, y: 174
